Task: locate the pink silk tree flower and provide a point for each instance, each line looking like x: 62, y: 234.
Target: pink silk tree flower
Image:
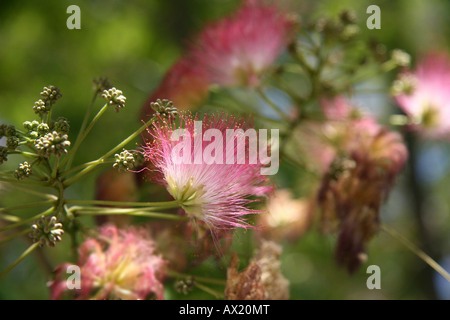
x: 185, y: 84
x: 212, y: 179
x: 118, y: 264
x: 238, y: 49
x: 425, y: 96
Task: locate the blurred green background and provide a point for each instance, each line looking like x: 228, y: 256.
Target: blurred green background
x: 133, y: 43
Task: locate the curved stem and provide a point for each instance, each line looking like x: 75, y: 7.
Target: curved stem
x: 131, y: 212
x: 22, y: 222
x: 88, y: 169
x: 273, y: 105
x: 27, y: 205
x: 82, y: 128
x: 414, y: 249
x: 84, y: 165
x: 22, y: 256
x: 83, y: 135
x: 25, y: 153
x: 27, y: 182
x: 166, y: 204
x: 9, y: 218
x: 216, y: 294
x: 36, y: 193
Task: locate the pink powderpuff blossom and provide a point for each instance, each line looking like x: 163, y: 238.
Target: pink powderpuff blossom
x: 118, y: 264
x: 238, y: 49
x: 214, y: 194
x: 426, y: 97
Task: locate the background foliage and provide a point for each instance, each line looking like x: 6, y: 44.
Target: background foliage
x: 134, y: 42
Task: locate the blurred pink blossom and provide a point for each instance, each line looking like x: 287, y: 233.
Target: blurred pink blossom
x: 427, y: 100
x: 118, y: 264
x: 238, y: 49
x: 185, y: 84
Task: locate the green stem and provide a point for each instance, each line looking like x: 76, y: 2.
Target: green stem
x: 55, y: 168
x: 422, y: 255
x: 216, y: 294
x: 28, y: 205
x: 24, y: 153
x: 27, y: 182
x: 167, y: 204
x: 34, y: 192
x: 88, y: 169
x: 10, y: 218
x: 23, y: 256
x: 273, y: 105
x: 87, y: 164
x: 83, y: 135
x: 82, y: 128
x: 22, y: 222
x: 299, y: 164
x: 130, y: 212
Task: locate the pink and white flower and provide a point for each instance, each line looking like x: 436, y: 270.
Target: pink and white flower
x: 215, y: 194
x: 426, y: 98
x: 238, y: 49
x: 118, y: 264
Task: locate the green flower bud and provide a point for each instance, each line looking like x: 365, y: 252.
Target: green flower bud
x: 42, y: 129
x: 3, y: 154
x: 401, y: 58
x: 405, y: 84
x: 163, y: 107
x: 115, y: 98
x: 52, y: 143
x: 348, y: 16
x: 50, y: 95
x: 3, y: 129
x: 23, y: 171
x: 46, y: 231
x: 40, y: 107
x: 61, y: 125
x: 12, y: 142
x: 124, y: 161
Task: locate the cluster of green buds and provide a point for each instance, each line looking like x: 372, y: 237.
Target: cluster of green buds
x: 48, y: 137
x: 124, y: 161
x: 46, y: 231
x: 49, y: 96
x: 164, y: 108
x: 52, y: 143
x: 23, y: 171
x: 12, y: 140
x: 115, y: 98
x: 401, y: 58
x: 3, y: 154
x: 185, y: 286
x: 405, y: 84
x: 11, y: 135
x: 345, y: 28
